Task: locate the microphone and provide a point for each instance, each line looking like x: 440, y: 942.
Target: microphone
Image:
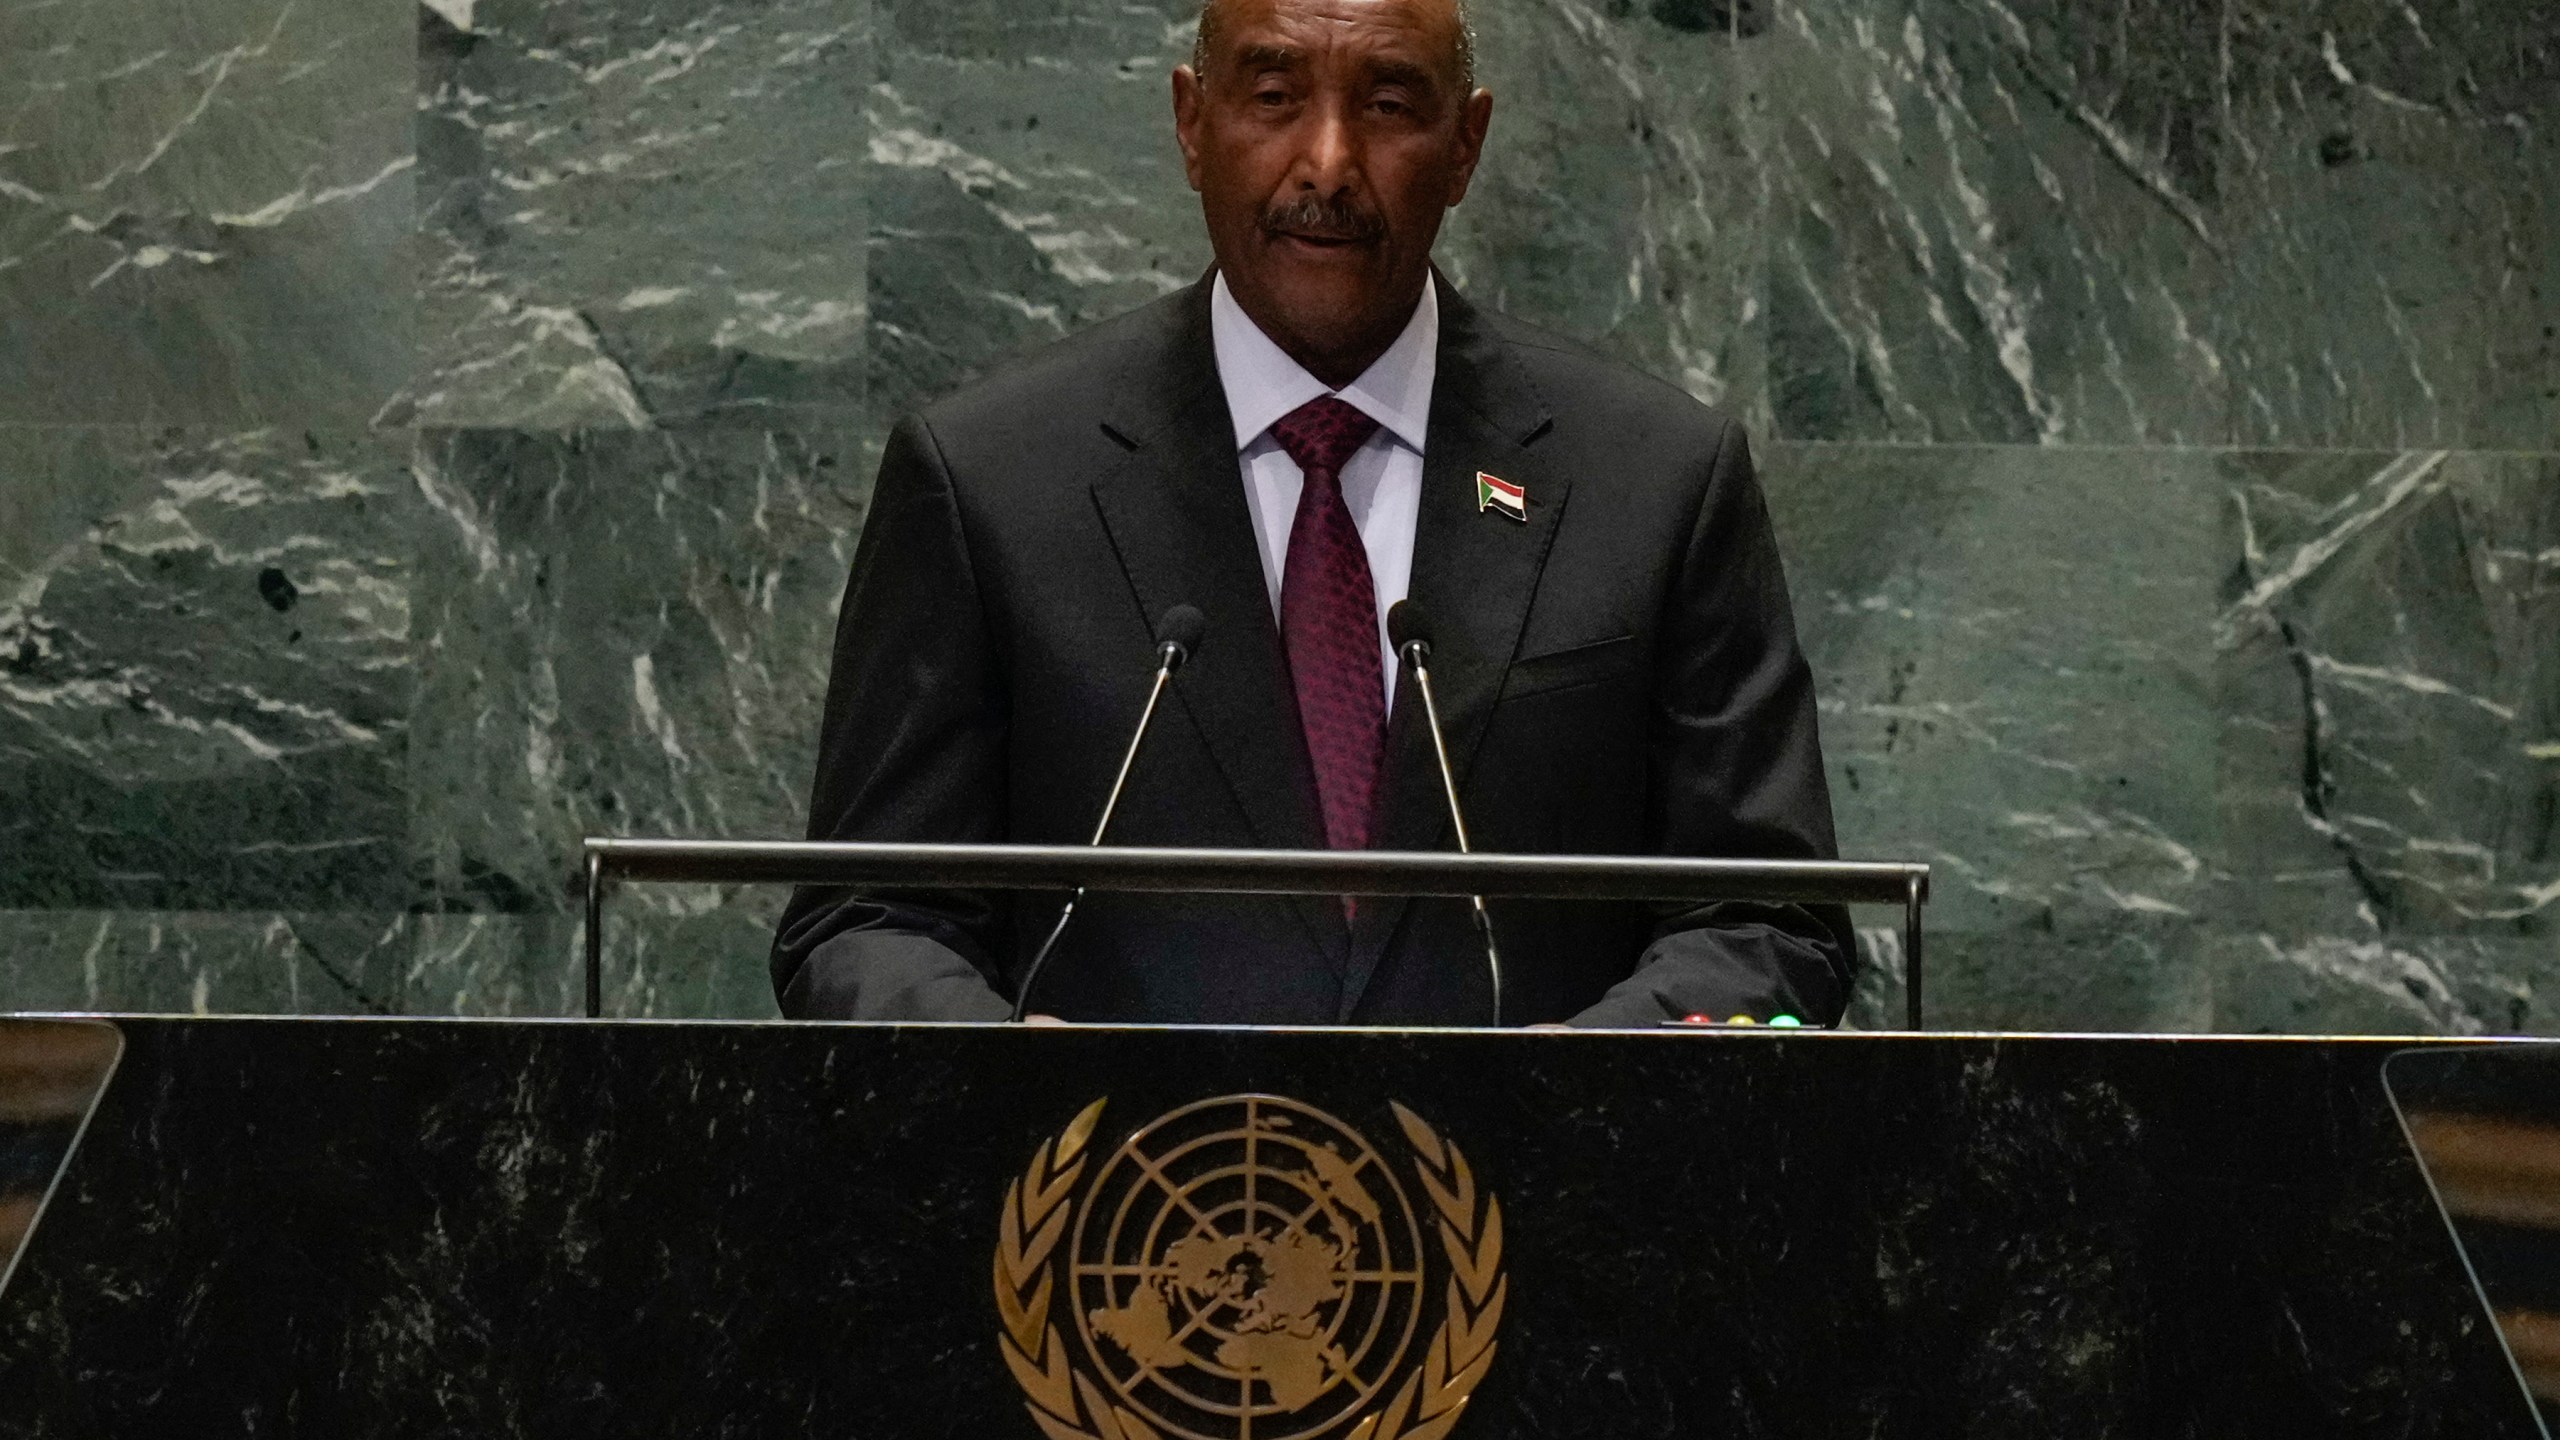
x: 1409, y: 633
x: 1177, y: 635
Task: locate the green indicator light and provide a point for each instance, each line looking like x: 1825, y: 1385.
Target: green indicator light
x: 1786, y: 1022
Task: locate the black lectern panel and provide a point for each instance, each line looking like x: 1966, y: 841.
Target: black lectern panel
x: 501, y: 1229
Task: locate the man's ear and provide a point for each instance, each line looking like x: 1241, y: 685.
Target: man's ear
x: 1473, y: 121
x: 1189, y: 98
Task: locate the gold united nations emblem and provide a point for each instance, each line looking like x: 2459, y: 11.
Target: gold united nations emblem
x: 1248, y: 1268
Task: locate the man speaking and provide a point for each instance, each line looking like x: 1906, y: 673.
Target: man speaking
x: 1318, y: 430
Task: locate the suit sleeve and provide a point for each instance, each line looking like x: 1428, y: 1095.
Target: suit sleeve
x: 1736, y: 772
x: 911, y: 748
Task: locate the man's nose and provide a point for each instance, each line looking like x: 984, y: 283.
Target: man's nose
x: 1329, y: 161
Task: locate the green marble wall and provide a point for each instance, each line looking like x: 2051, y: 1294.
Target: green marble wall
x: 430, y: 435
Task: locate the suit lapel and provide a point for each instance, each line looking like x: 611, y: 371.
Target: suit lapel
x: 1178, y: 522
x: 1474, y: 573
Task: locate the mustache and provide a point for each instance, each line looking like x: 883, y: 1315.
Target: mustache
x: 1329, y: 218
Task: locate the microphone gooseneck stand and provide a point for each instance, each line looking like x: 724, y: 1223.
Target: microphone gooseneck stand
x: 1404, y: 630
x: 1177, y: 635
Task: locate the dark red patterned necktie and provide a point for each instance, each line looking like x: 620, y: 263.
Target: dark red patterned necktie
x: 1329, y: 621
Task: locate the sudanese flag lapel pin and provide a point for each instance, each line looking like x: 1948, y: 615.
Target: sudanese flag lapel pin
x: 1495, y: 493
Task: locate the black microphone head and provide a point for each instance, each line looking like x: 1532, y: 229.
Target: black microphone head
x: 1405, y: 626
x: 1181, y: 631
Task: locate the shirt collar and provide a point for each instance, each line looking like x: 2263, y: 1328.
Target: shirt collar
x: 1263, y: 383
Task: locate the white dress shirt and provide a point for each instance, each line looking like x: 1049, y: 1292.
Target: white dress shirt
x: 1381, y: 482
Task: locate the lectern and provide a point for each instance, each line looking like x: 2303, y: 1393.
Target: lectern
x: 485, y: 1228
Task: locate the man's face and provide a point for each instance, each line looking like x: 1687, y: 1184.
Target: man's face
x: 1327, y: 140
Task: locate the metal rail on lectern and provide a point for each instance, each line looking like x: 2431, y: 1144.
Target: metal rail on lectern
x: 1254, y: 872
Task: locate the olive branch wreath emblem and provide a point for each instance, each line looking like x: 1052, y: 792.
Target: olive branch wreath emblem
x: 1068, y: 1405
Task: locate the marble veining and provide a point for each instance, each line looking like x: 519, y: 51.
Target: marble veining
x: 2386, y: 656
x: 1024, y: 181
x: 2309, y: 225
x: 630, y: 634
x: 204, y: 677
x: 2015, y: 686
x: 203, y: 211
x: 630, y: 217
x: 431, y: 433
x: 1618, y: 202
x: 204, y: 962
x: 1973, y: 243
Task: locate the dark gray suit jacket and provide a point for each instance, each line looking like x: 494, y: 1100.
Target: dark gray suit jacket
x: 1619, y: 675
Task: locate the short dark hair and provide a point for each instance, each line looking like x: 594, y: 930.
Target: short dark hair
x: 1466, y: 43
